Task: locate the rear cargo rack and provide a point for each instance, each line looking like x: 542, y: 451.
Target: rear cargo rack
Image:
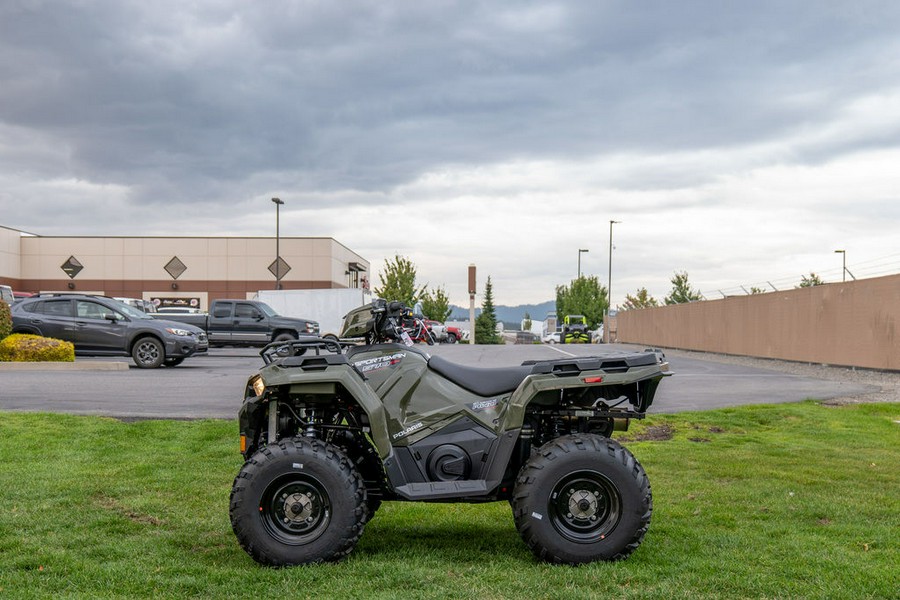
x: 573, y: 366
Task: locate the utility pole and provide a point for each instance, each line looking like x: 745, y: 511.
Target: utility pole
x: 472, y: 304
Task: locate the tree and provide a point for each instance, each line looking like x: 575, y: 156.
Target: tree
x: 436, y: 304
x: 583, y: 296
x: 811, y: 281
x: 398, y: 281
x: 641, y: 299
x: 681, y: 290
x: 486, y: 322
x: 755, y: 290
x: 526, y: 322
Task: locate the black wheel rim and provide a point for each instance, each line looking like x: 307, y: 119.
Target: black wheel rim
x: 295, y: 509
x: 585, y: 507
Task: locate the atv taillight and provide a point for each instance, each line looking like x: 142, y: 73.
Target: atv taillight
x: 592, y: 379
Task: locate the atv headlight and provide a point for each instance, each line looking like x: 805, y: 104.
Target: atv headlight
x: 178, y: 332
x: 259, y: 388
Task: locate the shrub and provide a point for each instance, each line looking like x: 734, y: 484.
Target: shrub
x: 5, y: 320
x: 22, y: 347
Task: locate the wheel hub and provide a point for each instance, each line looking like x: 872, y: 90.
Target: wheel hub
x: 297, y: 507
x: 585, y: 506
x: 295, y: 510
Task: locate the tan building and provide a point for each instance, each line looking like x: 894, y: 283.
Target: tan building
x: 175, y: 270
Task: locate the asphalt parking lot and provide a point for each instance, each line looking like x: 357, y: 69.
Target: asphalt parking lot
x: 212, y: 386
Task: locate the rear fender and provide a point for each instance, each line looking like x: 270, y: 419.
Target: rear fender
x: 638, y: 385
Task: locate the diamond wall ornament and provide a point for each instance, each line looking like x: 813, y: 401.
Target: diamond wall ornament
x: 279, y: 267
x: 72, y: 267
x: 175, y: 267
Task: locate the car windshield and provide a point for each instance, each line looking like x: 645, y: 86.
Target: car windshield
x: 270, y: 312
x: 130, y: 311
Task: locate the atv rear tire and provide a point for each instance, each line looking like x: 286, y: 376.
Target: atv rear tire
x: 297, y: 502
x: 582, y: 498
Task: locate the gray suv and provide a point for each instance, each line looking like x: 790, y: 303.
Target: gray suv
x: 101, y: 326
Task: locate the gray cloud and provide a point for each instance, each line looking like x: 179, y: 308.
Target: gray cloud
x: 214, y: 105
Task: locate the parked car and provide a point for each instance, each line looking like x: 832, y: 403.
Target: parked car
x: 551, y: 337
x: 6, y: 294
x: 246, y: 322
x: 101, y: 326
x: 142, y: 305
x: 443, y: 334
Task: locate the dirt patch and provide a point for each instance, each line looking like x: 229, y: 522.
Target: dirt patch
x: 113, y: 505
x: 654, y: 433
x: 699, y: 440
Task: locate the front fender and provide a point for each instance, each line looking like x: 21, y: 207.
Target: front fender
x: 253, y: 411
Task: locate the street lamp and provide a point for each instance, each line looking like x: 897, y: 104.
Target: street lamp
x: 844, y: 269
x: 278, y: 202
x: 606, y: 330
x: 580, y: 250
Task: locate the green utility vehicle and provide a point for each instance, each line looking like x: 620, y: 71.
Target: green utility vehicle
x: 330, y: 431
x: 575, y: 330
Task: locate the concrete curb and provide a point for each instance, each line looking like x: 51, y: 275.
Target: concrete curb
x: 63, y: 366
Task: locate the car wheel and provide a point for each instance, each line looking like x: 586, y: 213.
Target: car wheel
x: 173, y: 362
x: 284, y: 337
x: 582, y: 498
x: 148, y: 353
x: 451, y: 338
x: 298, y: 502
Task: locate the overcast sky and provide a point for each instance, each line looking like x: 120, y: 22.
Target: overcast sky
x: 742, y: 142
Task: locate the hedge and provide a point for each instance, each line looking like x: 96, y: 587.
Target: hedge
x: 22, y: 347
x: 5, y: 320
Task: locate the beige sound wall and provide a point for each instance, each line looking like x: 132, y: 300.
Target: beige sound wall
x: 853, y: 324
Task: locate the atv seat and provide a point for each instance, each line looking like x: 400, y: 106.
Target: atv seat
x: 481, y: 381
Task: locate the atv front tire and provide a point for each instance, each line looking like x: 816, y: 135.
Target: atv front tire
x: 297, y: 502
x: 582, y: 498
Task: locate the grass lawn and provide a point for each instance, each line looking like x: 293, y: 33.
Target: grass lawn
x: 788, y: 501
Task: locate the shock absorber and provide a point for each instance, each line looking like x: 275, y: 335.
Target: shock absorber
x: 310, y: 423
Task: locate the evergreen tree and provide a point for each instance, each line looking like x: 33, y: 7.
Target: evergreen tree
x: 526, y: 322
x: 641, y: 299
x: 681, y: 290
x: 436, y: 304
x: 398, y: 282
x: 486, y: 322
x: 584, y: 296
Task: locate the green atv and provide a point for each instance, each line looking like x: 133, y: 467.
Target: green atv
x: 575, y: 330
x: 330, y: 431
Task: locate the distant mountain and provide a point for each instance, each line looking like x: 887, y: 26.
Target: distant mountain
x: 507, y: 314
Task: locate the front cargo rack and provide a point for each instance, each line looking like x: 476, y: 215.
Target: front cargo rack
x: 279, y: 350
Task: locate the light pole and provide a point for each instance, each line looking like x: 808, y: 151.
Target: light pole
x: 580, y: 251
x: 606, y: 330
x: 844, y: 269
x: 278, y: 202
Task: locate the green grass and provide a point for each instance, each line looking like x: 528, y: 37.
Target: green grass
x: 789, y: 501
